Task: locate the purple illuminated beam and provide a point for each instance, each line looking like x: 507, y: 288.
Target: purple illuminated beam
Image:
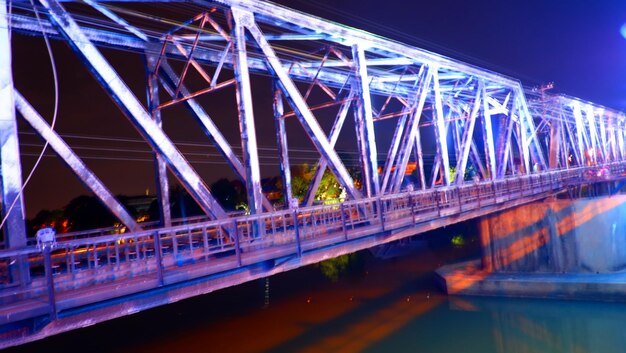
x: 132, y: 108
x: 74, y: 162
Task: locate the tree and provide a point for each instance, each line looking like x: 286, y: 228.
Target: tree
x: 329, y: 189
x: 45, y: 218
x: 87, y: 212
x: 182, y: 205
x: 225, y: 193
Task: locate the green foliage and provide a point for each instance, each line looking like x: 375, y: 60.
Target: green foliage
x: 329, y: 190
x: 458, y: 240
x: 332, y: 268
x: 452, y: 173
x: 243, y: 206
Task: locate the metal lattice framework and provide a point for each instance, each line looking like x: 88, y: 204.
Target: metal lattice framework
x: 448, y: 115
x: 473, y: 142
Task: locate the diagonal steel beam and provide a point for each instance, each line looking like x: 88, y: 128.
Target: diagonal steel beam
x: 593, y: 131
x: 74, y: 162
x: 441, y: 133
x: 468, y: 134
x: 295, y: 99
x: 504, y: 152
x: 246, y: 115
x: 333, y: 136
x: 487, y: 128
x: 160, y: 165
x: 132, y: 108
x: 393, y: 148
x: 411, y: 130
x: 283, y: 150
x: 364, y: 124
x: 169, y: 80
x: 580, y: 131
x: 419, y: 158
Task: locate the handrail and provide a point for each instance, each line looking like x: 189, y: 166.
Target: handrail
x: 286, y: 232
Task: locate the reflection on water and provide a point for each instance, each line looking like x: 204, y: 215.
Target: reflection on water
x: 381, y: 306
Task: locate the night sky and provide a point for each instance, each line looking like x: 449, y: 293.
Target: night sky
x: 575, y: 44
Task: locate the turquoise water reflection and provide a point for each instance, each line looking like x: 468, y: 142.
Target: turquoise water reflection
x: 511, y: 326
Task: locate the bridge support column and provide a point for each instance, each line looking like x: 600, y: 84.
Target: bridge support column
x: 552, y: 249
x: 14, y: 229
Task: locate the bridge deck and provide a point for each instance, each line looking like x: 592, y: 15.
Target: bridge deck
x: 198, y: 258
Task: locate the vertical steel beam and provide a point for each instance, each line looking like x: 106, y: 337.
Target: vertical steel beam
x: 580, y: 132
x: 573, y: 146
x: 160, y: 166
x: 563, y: 150
x: 593, y: 132
x: 132, y: 108
x: 487, y: 126
x: 246, y: 116
x: 170, y: 81
x: 612, y: 132
x: 10, y: 165
x: 621, y: 130
x: 307, y: 119
x: 555, y: 144
x: 393, y: 149
x: 74, y: 162
x: 532, y: 144
x: 440, y: 128
x: 364, y: 123
x: 603, y: 137
x: 419, y: 158
x: 283, y: 151
x: 523, y: 139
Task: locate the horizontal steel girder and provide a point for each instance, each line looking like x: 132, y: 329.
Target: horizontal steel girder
x: 382, y: 82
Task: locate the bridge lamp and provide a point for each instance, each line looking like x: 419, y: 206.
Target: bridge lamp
x: 622, y: 30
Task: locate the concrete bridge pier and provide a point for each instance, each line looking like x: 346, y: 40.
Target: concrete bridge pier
x: 570, y: 249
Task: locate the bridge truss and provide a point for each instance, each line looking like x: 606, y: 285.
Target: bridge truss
x: 448, y: 120
x: 479, y: 119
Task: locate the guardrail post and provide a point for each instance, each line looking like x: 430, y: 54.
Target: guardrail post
x: 379, y: 205
x: 158, y: 257
x: 458, y: 196
x: 47, y: 261
x: 343, y: 221
x: 297, y: 233
x: 508, y: 189
x: 237, y: 247
x: 412, y: 208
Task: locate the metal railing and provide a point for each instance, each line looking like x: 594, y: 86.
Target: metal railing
x: 163, y: 255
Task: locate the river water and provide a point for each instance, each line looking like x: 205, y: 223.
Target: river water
x: 374, y: 305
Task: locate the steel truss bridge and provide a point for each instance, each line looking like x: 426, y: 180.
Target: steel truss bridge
x: 447, y: 118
